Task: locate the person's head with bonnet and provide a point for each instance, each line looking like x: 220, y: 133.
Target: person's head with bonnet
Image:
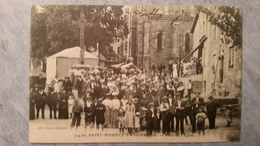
x: 144, y: 95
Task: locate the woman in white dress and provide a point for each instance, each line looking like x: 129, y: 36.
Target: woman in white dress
x: 129, y: 116
x: 174, y: 71
x: 56, y: 84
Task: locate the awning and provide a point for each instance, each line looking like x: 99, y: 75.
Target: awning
x: 201, y: 45
x: 129, y: 66
x: 82, y: 66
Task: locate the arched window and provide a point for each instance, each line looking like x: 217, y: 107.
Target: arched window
x: 159, y: 41
x: 187, y: 43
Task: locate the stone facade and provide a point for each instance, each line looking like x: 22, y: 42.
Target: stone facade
x: 145, y: 27
x: 222, y: 68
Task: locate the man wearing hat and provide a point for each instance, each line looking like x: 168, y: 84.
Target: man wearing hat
x: 89, y: 112
x: 52, y: 102
x: 33, y: 95
x: 164, y: 108
x: 40, y: 102
x: 180, y: 113
x: 150, y: 118
x: 76, y: 110
x: 196, y: 102
x: 67, y: 85
x: 79, y: 86
x: 100, y: 111
x: 97, y: 89
x: 212, y: 105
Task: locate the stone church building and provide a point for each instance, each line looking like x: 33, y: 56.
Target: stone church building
x: 158, y: 34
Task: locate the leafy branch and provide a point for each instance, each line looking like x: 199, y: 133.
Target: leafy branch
x: 229, y: 20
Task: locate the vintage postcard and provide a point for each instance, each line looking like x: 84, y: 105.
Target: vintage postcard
x: 135, y: 74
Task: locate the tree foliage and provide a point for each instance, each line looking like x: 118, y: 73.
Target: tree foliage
x: 57, y: 27
x: 229, y: 20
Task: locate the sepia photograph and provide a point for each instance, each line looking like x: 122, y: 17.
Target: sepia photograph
x: 135, y: 74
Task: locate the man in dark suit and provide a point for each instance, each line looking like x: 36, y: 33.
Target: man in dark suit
x: 63, y: 105
x: 79, y: 86
x: 180, y: 106
x: 67, y: 85
x: 52, y: 102
x: 97, y: 90
x: 105, y: 90
x: 171, y: 112
x: 188, y: 110
x: 196, y: 102
x: 150, y: 118
x: 40, y: 102
x: 138, y: 92
x: 212, y: 105
x: 164, y: 109
x: 99, y: 112
x: 151, y: 91
x: 95, y: 105
x: 42, y: 81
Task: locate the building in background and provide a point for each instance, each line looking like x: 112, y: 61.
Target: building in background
x: 158, y: 34
x: 221, y: 63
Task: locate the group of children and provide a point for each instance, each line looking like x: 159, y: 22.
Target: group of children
x: 97, y: 115
x: 121, y: 119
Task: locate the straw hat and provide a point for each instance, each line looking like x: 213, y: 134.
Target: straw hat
x: 151, y: 104
x: 165, y: 98
x: 115, y: 93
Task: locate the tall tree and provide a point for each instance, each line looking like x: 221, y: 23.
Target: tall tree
x: 229, y: 20
x: 57, y: 27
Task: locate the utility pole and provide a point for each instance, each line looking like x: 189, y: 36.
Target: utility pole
x: 81, y: 35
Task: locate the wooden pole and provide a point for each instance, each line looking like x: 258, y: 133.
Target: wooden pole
x: 82, y: 44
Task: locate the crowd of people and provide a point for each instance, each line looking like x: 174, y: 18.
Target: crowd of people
x: 126, y: 100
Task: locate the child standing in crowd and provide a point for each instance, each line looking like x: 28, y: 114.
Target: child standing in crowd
x: 100, y: 114
x: 76, y: 109
x: 129, y: 114
x: 121, y: 121
x: 229, y: 115
x: 200, y: 117
x: 89, y: 112
x: 70, y: 105
x: 150, y: 118
x: 137, y: 121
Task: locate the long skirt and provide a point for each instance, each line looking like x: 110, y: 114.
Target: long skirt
x: 108, y: 117
x: 130, y: 119
x: 114, y: 114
